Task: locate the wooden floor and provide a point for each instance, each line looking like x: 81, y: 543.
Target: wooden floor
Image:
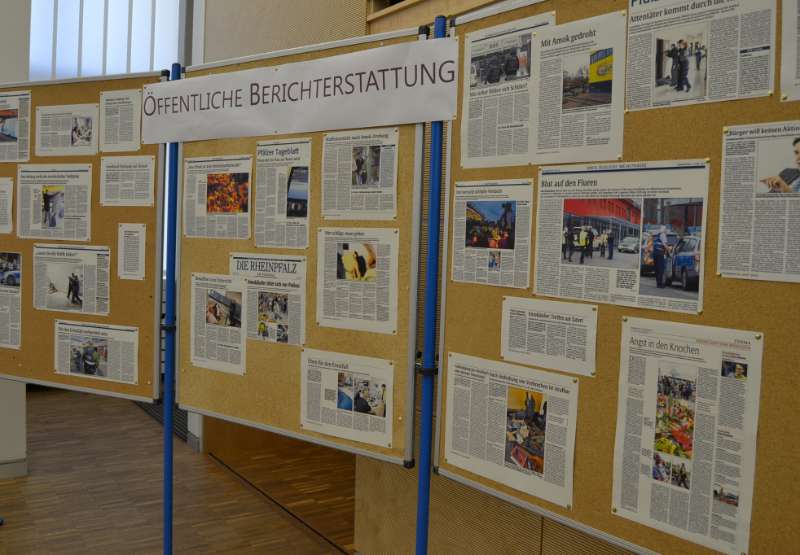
x: 94, y: 486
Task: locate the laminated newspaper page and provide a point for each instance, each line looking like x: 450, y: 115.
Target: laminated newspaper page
x: 513, y: 425
x: 216, y: 197
x: 760, y: 202
x: 71, y: 278
x: 15, y: 126
x: 69, y: 130
x: 120, y: 120
x: 628, y: 234
x: 347, y: 396
x: 687, y: 422
x: 496, y: 126
x: 578, y: 98
x: 549, y: 334
x: 10, y: 300
x: 127, y: 180
x: 218, y: 307
x: 492, y: 232
x: 131, y: 239
x: 276, y: 296
x: 692, y: 51
x: 54, y: 201
x: 357, y: 279
x: 283, y: 193
x: 6, y: 204
x: 790, y: 51
x: 98, y: 351
x: 359, y: 174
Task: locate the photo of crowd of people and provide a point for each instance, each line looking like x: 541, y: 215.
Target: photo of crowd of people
x: 81, y: 133
x: 778, y: 169
x: 601, y: 232
x: 228, y: 193
x: 356, y: 261
x: 8, y: 125
x: 65, y: 287
x: 10, y: 269
x: 491, y: 224
x: 273, y: 315
x: 587, y: 82
x: 367, y: 165
x: 675, y: 408
x: 88, y: 356
x: 509, y: 61
x: 297, y: 193
x: 726, y: 496
x: 734, y: 369
x: 356, y: 392
x: 52, y: 204
x: 681, y: 63
x: 224, y: 308
x: 526, y: 426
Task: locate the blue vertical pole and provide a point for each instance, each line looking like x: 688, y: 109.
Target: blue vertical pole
x: 169, y: 330
x: 429, y: 343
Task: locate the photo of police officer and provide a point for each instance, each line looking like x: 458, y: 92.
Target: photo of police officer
x: 681, y: 63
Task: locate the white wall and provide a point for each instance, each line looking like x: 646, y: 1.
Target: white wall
x: 15, y: 27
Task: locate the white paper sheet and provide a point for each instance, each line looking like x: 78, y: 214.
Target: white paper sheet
x: 54, y: 201
x: 6, y: 204
x: 120, y: 120
x: 69, y: 130
x: 97, y: 351
x: 131, y: 240
x: 127, y: 180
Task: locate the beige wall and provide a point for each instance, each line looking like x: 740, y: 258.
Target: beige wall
x: 15, y: 27
x: 236, y: 28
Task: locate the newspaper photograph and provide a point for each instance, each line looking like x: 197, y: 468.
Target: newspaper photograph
x: 98, y: 351
x: 687, y: 422
x: 10, y: 300
x: 71, y: 278
x: 790, y: 51
x: 276, y: 296
x: 218, y: 307
x: 54, y: 201
x: 549, y: 334
x: 513, y: 425
x: 492, y: 232
x: 127, y: 180
x: 120, y: 120
x: 760, y: 202
x: 694, y: 51
x: 69, y: 130
x: 347, y: 396
x: 6, y: 204
x: 15, y: 126
x: 628, y: 234
x: 283, y: 187
x: 359, y: 174
x: 578, y: 105
x: 496, y: 126
x: 131, y: 239
x: 357, y: 279
x: 216, y: 197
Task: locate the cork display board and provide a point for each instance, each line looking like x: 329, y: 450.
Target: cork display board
x: 135, y: 303
x: 677, y: 133
x: 268, y: 395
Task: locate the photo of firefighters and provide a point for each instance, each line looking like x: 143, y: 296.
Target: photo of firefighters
x: 778, y: 167
x: 671, y: 260
x: 356, y: 261
x: 526, y: 426
x: 297, y: 193
x: 81, y: 133
x: 491, y: 224
x: 675, y: 408
x: 726, y: 496
x: 227, y: 193
x: 601, y: 232
x: 10, y: 269
x: 367, y: 165
x: 509, y: 60
x: 65, y: 287
x: 358, y: 393
x: 88, y: 356
x: 587, y: 82
x: 681, y: 63
x: 52, y: 205
x: 734, y: 369
x: 224, y: 308
x: 9, y: 119
x: 273, y: 316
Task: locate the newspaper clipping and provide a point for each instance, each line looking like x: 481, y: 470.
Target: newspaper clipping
x: 359, y: 174
x: 760, y: 212
x: 512, y: 425
x: 693, y: 51
x: 675, y: 380
x: 71, y: 278
x: 492, y: 232
x: 578, y: 111
x: 549, y: 334
x: 357, y: 279
x: 130, y: 251
x: 276, y: 296
x: 283, y: 188
x: 218, y: 341
x: 120, y: 120
x: 790, y: 51
x: 10, y: 295
x: 6, y: 204
x: 54, y: 202
x: 347, y: 396
x: 98, y: 351
x: 127, y: 180
x: 15, y: 128
x: 69, y: 130
x: 628, y: 234
x: 216, y: 197
x: 498, y: 86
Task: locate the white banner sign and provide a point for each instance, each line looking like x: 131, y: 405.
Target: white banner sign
x: 403, y: 83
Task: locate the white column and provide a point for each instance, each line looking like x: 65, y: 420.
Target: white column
x: 13, y: 436
x: 194, y: 423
